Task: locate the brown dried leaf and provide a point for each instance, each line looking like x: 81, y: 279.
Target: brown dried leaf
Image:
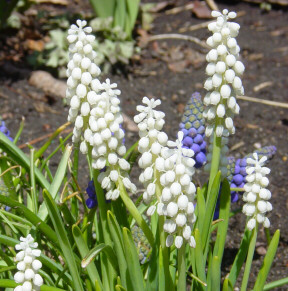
x: 201, y: 10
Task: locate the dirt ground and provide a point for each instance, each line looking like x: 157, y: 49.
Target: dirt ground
x: 172, y: 70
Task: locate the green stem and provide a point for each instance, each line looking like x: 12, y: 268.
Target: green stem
x: 249, y: 258
x: 216, y: 154
x: 165, y: 252
x: 34, y: 197
x: 181, y: 285
x: 135, y: 213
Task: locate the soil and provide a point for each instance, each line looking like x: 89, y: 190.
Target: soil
x: 172, y: 70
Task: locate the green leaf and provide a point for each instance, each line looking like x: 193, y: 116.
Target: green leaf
x: 21, y: 159
x: 83, y: 250
x: 210, y: 208
x: 225, y: 201
x: 132, y: 258
x: 275, y: 284
x: 240, y: 258
x: 200, y: 208
x: 161, y: 271
x: 103, y: 10
x: 268, y: 260
x: 63, y: 240
x: 120, y: 14
x: 31, y: 217
x: 198, y: 252
x: 215, y: 274
x: 117, y: 238
x: 90, y: 256
x: 227, y: 285
x: 57, y: 181
x: 132, y: 13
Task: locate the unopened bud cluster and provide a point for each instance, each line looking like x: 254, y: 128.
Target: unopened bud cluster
x: 193, y: 127
x: 96, y: 112
x: 224, y: 71
x: 152, y: 141
x: 256, y: 195
x: 28, y: 266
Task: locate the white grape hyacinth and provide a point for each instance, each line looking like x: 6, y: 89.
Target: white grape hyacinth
x: 178, y: 193
x: 224, y: 72
x: 256, y: 195
x: 152, y: 141
x: 28, y: 266
x: 95, y: 110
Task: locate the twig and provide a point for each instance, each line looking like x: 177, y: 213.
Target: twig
x: 178, y: 36
x: 180, y: 9
x: 40, y: 138
x: 212, y: 5
x: 262, y: 101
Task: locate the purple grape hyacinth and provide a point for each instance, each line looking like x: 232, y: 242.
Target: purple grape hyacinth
x: 5, y: 130
x: 193, y: 127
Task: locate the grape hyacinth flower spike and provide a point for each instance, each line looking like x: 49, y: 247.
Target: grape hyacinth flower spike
x: 224, y: 70
x: 193, y: 127
x: 177, y: 199
x: 95, y: 110
x: 28, y: 266
x: 256, y: 195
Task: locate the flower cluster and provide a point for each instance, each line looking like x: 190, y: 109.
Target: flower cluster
x: 178, y: 193
x: 224, y: 71
x: 28, y: 266
x: 96, y: 112
x: 256, y: 195
x: 5, y: 130
x: 152, y: 141
x: 193, y: 127
x: 141, y: 243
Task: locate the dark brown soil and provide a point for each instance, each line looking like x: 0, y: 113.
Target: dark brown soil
x: 159, y: 73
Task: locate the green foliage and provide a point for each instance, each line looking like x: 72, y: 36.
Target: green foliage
x: 111, y: 45
x: 123, y: 12
x: 7, y: 19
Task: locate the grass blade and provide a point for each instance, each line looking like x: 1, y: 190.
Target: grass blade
x: 57, y: 181
x: 268, y: 260
x: 31, y: 217
x: 21, y: 159
x: 83, y: 250
x: 90, y: 256
x: 240, y: 258
x: 63, y: 240
x: 131, y: 255
x: 117, y: 238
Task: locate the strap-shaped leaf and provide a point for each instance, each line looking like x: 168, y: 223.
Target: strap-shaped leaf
x: 90, y: 256
x: 210, y: 208
x: 117, y: 238
x: 240, y: 258
x: 31, y: 217
x: 268, y: 260
x: 225, y: 202
x: 83, y: 250
x: 132, y: 258
x: 63, y: 240
x: 21, y: 159
x: 57, y: 181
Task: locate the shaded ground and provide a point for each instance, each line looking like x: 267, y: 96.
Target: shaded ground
x: 263, y: 40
